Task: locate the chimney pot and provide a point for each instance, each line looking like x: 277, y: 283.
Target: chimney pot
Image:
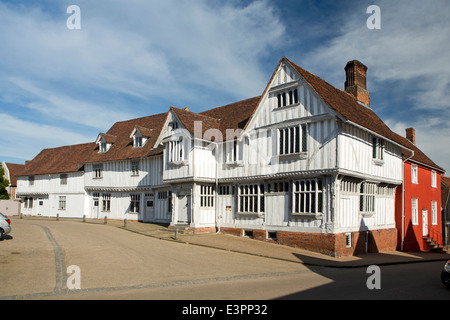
x: 356, y: 81
x: 411, y: 135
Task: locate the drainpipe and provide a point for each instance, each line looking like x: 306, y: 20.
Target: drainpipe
x: 403, y: 200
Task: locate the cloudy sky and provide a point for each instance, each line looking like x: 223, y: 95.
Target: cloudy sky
x: 133, y: 58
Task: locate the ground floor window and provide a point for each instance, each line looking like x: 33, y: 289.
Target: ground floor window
x: 367, y: 197
x: 251, y: 198
x: 433, y: 212
x: 106, y: 202
x: 135, y: 203
x: 206, y: 196
x: 62, y: 203
x: 28, y: 203
x: 307, y: 196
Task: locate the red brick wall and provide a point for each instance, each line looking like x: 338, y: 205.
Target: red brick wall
x: 330, y: 243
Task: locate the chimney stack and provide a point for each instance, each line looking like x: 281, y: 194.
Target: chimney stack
x: 355, y: 81
x: 411, y: 135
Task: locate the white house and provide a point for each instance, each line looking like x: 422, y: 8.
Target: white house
x: 304, y: 164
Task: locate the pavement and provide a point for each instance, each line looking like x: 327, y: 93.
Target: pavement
x: 265, y: 249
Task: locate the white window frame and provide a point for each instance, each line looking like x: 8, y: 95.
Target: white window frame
x: 287, y: 98
x: 206, y: 196
x: 176, y: 151
x: 63, y: 178
x: 137, y: 141
x: 434, y: 212
x: 433, y: 179
x: 378, y: 150
x: 135, y: 203
x: 415, y: 211
x: 367, y: 194
x: 135, y: 167
x: 293, y: 140
x: 251, y: 198
x: 307, y: 197
x: 106, y: 202
x: 98, y: 170
x: 414, y: 174
x: 62, y: 203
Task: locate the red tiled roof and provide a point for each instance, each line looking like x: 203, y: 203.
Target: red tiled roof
x: 345, y: 105
x: 418, y: 157
x: 15, y: 170
x: 122, y: 147
x: 59, y: 160
x: 232, y: 116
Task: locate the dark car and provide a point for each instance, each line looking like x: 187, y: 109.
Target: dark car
x: 445, y: 274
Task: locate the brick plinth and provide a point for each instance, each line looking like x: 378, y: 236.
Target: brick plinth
x: 333, y: 244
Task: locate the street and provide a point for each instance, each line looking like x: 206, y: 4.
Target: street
x: 46, y: 259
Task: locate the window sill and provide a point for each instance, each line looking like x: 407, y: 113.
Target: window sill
x: 178, y: 163
x: 366, y: 214
x: 293, y: 156
x: 239, y: 163
x: 287, y: 106
x: 378, y: 162
x: 251, y: 214
x: 313, y: 216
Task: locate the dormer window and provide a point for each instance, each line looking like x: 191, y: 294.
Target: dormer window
x: 140, y: 135
x: 137, y: 142
x: 105, y: 142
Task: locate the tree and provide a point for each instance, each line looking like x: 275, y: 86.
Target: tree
x: 3, y: 184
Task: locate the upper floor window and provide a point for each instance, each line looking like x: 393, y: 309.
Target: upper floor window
x: 103, y: 147
x: 176, y: 152
x: 63, y: 178
x: 98, y: 170
x: 414, y: 174
x: 377, y: 149
x: 31, y: 180
x: 293, y: 140
x: 287, y: 98
x: 134, y: 168
x: 433, y: 179
x: 137, y: 142
x: 233, y: 151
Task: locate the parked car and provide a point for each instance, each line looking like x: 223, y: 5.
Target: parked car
x: 445, y: 274
x: 5, y: 225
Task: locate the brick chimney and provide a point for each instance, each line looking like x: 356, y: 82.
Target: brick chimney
x: 411, y: 135
x: 355, y: 81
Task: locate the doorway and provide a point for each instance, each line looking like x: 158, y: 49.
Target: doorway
x: 184, y: 209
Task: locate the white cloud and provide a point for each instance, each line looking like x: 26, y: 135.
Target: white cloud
x: 25, y: 139
x: 140, y: 51
x: 410, y: 53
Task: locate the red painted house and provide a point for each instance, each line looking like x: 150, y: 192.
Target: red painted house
x: 418, y: 201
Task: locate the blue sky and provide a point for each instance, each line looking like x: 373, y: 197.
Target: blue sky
x: 135, y: 58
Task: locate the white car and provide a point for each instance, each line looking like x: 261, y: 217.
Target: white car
x: 5, y: 225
